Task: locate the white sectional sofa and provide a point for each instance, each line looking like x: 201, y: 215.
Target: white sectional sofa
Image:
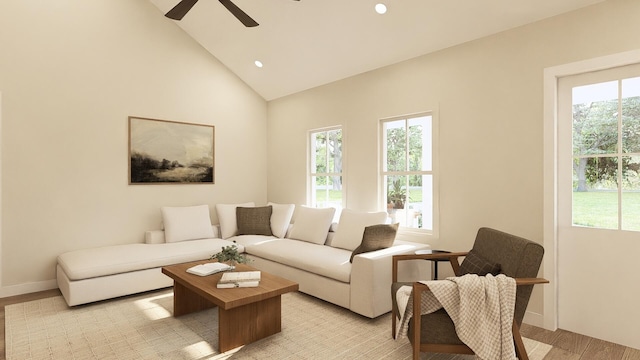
x: 312, y: 251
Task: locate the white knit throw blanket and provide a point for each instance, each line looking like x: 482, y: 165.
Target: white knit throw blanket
x: 481, y: 307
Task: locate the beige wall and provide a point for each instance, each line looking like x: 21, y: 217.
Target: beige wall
x: 489, y: 98
x: 71, y: 72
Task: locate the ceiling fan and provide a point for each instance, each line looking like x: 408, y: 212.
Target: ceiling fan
x: 183, y: 7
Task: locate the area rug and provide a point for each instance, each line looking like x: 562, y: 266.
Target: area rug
x: 142, y: 327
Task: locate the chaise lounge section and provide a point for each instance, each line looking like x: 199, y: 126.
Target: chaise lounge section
x: 95, y: 274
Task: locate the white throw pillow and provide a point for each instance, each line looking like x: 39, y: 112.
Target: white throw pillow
x: 281, y: 218
x: 186, y: 223
x: 312, y: 224
x: 227, y: 218
x: 351, y: 227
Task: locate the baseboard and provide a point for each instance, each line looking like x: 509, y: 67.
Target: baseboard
x: 27, y: 288
x: 533, y: 318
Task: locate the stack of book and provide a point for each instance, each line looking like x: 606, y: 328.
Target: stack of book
x: 209, y: 268
x: 239, y: 279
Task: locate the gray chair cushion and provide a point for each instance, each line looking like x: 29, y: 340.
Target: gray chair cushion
x: 437, y: 328
x: 440, y: 328
x: 518, y: 258
x: 476, y: 264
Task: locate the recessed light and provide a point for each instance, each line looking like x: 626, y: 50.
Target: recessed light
x: 258, y: 63
x: 381, y: 8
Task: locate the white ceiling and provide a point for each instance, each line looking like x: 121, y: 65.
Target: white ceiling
x: 307, y: 43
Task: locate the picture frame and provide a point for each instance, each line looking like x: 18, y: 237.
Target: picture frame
x: 170, y: 152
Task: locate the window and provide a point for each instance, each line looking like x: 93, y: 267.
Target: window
x: 325, y: 176
x: 606, y: 154
x: 407, y: 170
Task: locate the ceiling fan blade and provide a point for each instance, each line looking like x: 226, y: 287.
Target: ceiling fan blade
x: 239, y: 14
x: 180, y: 10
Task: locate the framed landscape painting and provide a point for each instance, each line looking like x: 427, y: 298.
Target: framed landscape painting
x: 170, y: 152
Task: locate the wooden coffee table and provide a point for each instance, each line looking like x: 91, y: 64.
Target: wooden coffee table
x: 245, y: 315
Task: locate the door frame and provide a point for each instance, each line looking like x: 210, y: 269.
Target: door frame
x: 550, y: 168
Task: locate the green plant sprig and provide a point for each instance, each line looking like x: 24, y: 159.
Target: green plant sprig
x: 230, y: 253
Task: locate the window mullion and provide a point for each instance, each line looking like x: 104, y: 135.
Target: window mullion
x: 407, y: 164
x: 620, y: 153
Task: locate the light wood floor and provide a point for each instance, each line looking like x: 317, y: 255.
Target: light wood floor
x: 566, y: 345
x: 572, y: 346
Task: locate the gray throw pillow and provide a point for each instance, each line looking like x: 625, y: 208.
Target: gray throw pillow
x: 474, y: 263
x: 376, y: 237
x: 254, y: 220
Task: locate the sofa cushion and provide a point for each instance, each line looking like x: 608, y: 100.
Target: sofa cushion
x: 254, y: 220
x: 474, y: 263
x: 281, y: 218
x: 351, y: 227
x: 227, y: 218
x: 312, y: 224
x: 318, y: 259
x: 116, y: 259
x: 248, y: 240
x: 376, y: 237
x: 186, y: 223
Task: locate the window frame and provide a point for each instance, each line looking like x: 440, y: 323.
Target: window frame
x: 434, y: 172
x: 311, y: 174
x: 566, y: 85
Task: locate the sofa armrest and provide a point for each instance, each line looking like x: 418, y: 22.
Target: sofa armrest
x: 371, y: 277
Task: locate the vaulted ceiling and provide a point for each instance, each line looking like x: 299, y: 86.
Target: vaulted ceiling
x: 307, y: 43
